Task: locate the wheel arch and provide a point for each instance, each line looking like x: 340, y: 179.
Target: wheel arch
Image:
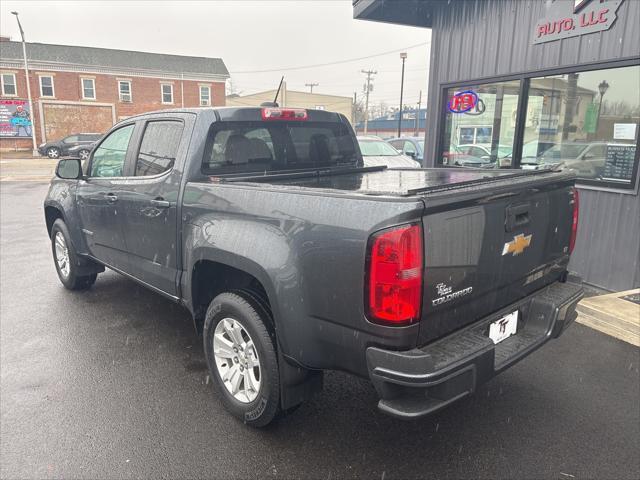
x: 51, y: 214
x: 209, y: 277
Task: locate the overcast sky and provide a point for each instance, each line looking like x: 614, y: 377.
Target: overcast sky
x: 248, y: 35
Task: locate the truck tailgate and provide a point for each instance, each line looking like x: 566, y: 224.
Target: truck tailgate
x: 485, y: 253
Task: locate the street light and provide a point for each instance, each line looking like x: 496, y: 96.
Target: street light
x: 26, y: 75
x: 403, y: 56
x: 603, y: 86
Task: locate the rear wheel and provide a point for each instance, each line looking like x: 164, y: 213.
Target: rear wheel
x: 53, y: 152
x: 83, y: 154
x: 240, y: 352
x: 66, y: 260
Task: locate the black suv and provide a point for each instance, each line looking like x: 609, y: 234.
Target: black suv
x: 75, y: 145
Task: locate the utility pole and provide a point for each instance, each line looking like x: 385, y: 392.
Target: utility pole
x: 367, y: 89
x: 26, y: 74
x: 418, y: 114
x: 403, y: 56
x: 354, y: 108
x: 311, y: 85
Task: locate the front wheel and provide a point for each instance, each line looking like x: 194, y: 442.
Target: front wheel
x: 240, y: 350
x: 66, y: 260
x: 53, y: 152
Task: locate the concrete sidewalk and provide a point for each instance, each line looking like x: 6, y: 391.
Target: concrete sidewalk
x: 614, y: 314
x: 28, y: 169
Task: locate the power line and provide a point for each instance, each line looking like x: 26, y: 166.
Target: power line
x: 338, y: 62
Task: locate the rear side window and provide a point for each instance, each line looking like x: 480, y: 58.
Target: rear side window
x: 251, y: 147
x: 159, y: 147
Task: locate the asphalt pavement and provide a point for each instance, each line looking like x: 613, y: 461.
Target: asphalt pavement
x: 112, y: 383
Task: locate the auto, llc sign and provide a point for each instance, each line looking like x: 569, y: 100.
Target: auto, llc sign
x: 571, y: 18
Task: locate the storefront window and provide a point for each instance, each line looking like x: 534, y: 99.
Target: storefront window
x: 480, y: 125
x: 586, y: 121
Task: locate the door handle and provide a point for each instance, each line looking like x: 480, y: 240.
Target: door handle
x: 517, y: 216
x: 111, y: 198
x: 160, y: 203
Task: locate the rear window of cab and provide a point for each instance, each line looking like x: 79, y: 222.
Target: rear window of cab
x: 252, y: 147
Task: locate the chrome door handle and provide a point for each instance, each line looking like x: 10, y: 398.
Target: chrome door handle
x: 160, y: 203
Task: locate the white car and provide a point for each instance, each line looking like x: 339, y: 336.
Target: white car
x: 376, y: 152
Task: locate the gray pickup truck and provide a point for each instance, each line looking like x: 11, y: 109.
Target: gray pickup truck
x: 293, y: 258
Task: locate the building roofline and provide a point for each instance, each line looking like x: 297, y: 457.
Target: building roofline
x: 414, y: 13
x: 216, y: 62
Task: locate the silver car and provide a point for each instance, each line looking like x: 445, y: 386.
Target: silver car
x: 376, y: 152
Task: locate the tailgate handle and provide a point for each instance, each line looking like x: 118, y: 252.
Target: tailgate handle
x: 517, y: 216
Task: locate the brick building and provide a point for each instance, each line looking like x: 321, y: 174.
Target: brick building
x: 85, y: 89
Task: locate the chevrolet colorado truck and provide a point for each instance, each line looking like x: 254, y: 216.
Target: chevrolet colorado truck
x: 293, y: 258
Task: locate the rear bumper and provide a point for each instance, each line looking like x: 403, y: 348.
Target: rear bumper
x: 421, y: 381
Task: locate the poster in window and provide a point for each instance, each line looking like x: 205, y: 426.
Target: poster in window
x: 15, y: 119
x: 618, y: 164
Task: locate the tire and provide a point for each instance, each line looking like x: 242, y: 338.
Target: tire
x: 249, y: 322
x: 53, y: 152
x: 83, y: 154
x: 66, y: 260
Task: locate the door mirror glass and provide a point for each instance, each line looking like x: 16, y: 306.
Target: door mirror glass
x: 69, y: 169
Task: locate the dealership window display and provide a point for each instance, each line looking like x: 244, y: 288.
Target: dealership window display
x: 588, y: 121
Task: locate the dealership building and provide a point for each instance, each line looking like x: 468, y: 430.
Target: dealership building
x: 541, y: 82
x: 85, y: 89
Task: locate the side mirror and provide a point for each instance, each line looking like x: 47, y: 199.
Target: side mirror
x: 411, y: 154
x: 69, y: 169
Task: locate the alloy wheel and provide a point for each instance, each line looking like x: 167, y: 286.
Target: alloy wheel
x: 62, y: 255
x: 236, y: 359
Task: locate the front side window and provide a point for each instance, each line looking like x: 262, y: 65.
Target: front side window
x: 158, y: 148
x: 167, y: 93
x: 109, y: 158
x: 46, y: 86
x: 88, y: 89
x: 205, y: 96
x: 124, y: 90
x: 585, y: 121
x: 72, y: 139
x: 409, y: 149
x: 481, y: 116
x: 9, y: 85
x: 247, y: 147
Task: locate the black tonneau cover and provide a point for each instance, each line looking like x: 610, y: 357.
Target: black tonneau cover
x: 394, y: 182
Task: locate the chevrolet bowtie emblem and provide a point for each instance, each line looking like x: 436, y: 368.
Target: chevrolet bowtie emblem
x: 517, y: 245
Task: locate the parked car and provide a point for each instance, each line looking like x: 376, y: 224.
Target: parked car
x: 534, y: 149
x: 377, y: 152
x: 410, y: 146
x: 586, y: 158
x: 67, y: 145
x: 293, y: 257
x: 456, y: 157
x: 500, y: 158
x: 81, y: 151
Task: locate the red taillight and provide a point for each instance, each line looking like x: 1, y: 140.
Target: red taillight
x: 574, y: 224
x: 395, y: 275
x: 297, y: 114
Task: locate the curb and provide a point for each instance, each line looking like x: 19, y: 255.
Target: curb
x: 612, y: 315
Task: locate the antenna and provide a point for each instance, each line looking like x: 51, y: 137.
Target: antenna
x: 275, y: 100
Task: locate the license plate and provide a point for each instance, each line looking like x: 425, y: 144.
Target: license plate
x: 504, y: 328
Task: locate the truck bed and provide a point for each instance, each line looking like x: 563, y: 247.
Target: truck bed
x: 398, y: 182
